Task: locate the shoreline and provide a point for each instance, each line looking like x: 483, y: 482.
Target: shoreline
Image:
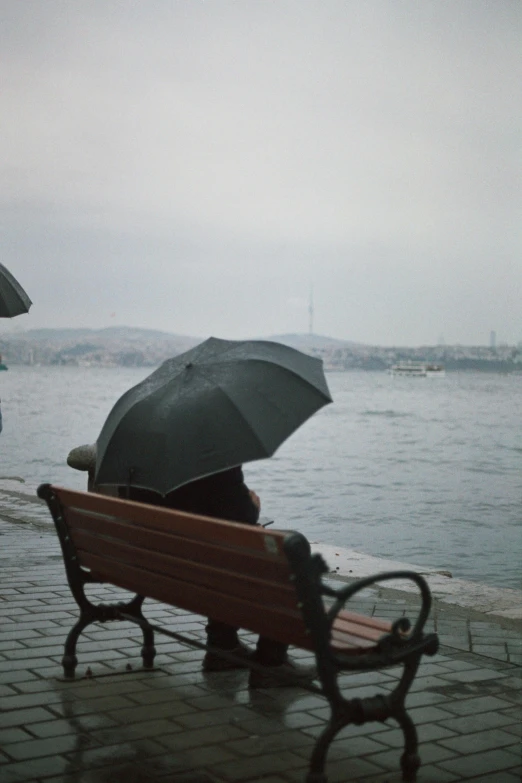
x: 477, y: 598
x: 472, y: 598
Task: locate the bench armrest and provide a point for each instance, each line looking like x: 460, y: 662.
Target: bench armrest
x: 401, y: 626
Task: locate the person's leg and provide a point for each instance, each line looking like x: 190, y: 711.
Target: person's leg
x: 273, y: 656
x: 224, y: 637
x: 221, y: 635
x: 270, y: 652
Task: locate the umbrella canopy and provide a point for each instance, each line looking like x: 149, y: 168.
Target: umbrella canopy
x: 13, y: 299
x: 215, y: 406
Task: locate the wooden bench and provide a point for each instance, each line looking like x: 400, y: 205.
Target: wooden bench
x: 264, y: 581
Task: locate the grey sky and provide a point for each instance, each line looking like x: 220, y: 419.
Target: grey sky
x: 197, y: 166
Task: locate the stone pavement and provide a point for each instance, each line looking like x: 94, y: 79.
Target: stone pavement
x: 118, y: 723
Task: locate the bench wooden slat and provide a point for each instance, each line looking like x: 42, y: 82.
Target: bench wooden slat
x: 282, y: 625
x: 346, y: 637
x: 371, y: 622
x: 358, y: 627
x: 351, y: 644
x: 180, y: 522
x: 360, y: 631
x: 285, y: 627
x: 169, y: 550
x: 92, y: 550
x: 218, y: 554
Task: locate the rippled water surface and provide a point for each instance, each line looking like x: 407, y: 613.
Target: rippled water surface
x: 423, y: 470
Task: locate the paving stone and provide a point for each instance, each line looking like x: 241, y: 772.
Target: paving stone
x: 500, y: 777
x: 424, y: 698
x: 428, y: 714
x: 298, y: 720
x: 153, y: 728
x: 457, y: 664
x: 492, y: 651
x: 436, y: 775
x: 482, y: 721
x: 37, y: 748
x: 346, y: 746
x: 236, y: 715
x: 481, y: 740
x: 429, y: 683
x: 17, y: 675
x: 304, y: 703
x: 359, y: 770
x: 62, y: 726
x: 18, y: 635
x: 128, y: 752
x: 171, y: 768
x: 489, y: 762
x: 19, y: 701
x: 241, y: 769
x: 91, y: 688
x: 9, y: 645
x: 24, y: 717
x: 137, y: 714
x: 471, y: 706
x: 255, y: 745
x: 35, y: 663
x: 430, y: 753
x: 13, y: 735
x: 100, y: 704
x: 200, y: 737
x: 429, y: 732
x: 474, y: 675
x: 37, y: 769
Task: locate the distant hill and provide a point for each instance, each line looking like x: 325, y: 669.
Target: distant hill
x: 113, y: 346
x: 108, y: 334
x: 312, y: 341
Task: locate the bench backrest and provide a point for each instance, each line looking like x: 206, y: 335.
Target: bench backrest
x: 236, y: 573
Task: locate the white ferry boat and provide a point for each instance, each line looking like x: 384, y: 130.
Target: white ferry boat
x: 417, y: 369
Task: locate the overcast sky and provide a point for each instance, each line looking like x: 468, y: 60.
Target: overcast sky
x: 197, y: 167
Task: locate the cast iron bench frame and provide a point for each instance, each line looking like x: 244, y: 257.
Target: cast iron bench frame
x: 265, y: 581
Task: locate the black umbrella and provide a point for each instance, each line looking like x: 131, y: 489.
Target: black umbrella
x: 215, y: 406
x: 13, y: 299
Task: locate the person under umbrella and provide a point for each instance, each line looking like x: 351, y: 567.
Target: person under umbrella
x: 13, y: 300
x: 180, y: 437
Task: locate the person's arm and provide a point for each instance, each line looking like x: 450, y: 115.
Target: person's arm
x: 230, y: 498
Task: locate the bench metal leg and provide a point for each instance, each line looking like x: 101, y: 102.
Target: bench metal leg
x: 148, y: 651
x: 316, y: 772
x: 69, y: 660
x: 410, y: 760
x: 102, y: 613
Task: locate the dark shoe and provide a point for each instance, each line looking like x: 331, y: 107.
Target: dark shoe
x: 284, y: 675
x: 214, y: 662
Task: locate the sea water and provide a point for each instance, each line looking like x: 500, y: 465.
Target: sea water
x: 419, y: 470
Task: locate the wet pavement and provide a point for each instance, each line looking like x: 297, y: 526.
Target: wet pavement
x: 116, y: 722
